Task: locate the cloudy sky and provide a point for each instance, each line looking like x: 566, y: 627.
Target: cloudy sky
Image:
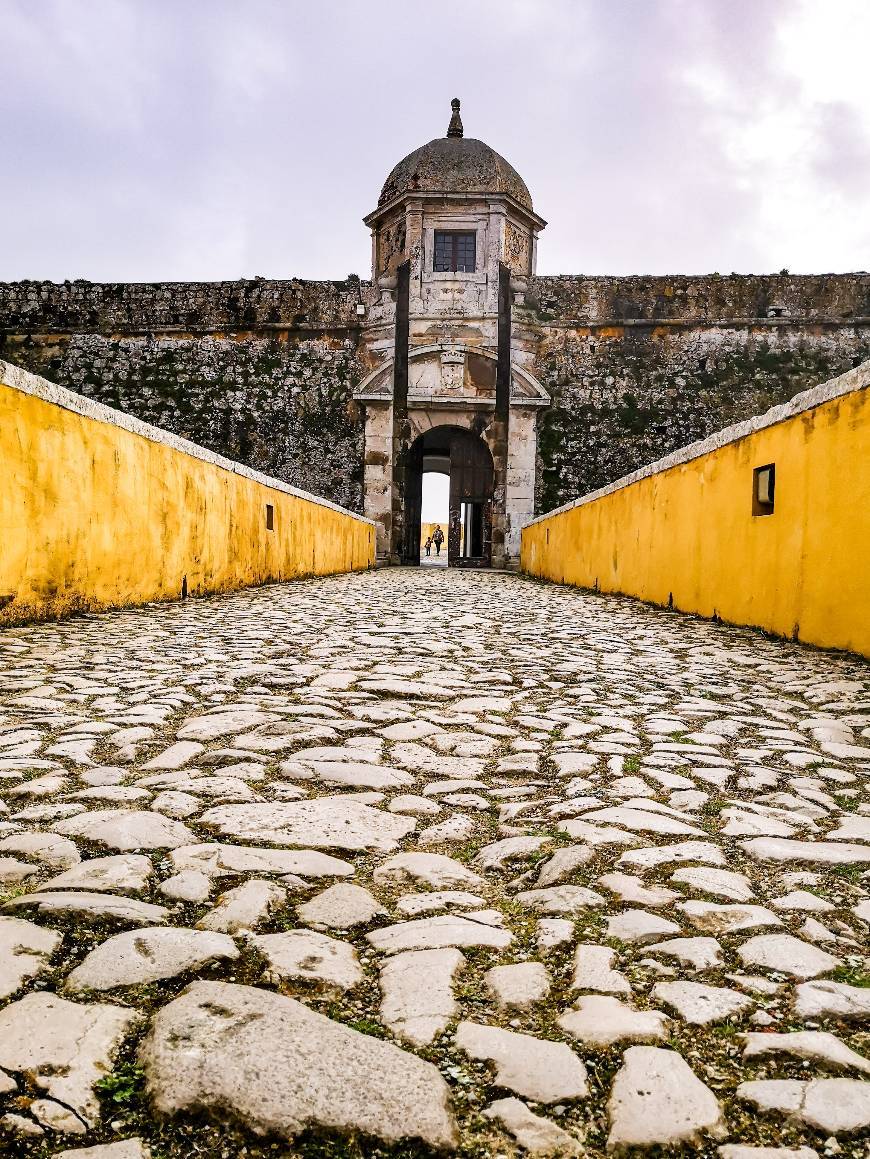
x: 186, y: 139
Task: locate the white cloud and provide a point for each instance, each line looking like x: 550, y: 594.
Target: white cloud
x: 148, y: 139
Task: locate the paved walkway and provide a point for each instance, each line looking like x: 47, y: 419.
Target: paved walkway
x: 417, y: 859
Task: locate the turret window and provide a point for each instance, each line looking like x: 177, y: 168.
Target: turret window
x: 455, y: 252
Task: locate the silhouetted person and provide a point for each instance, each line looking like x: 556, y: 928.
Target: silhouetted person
x: 438, y: 539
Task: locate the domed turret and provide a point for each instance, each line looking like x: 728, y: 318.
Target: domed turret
x: 455, y: 164
x: 454, y: 242
x: 454, y: 206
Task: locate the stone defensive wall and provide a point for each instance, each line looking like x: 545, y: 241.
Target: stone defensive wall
x: 100, y: 509
x: 766, y: 523
x: 263, y: 371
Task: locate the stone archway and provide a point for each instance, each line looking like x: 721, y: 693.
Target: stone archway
x: 468, y: 460
x: 449, y: 384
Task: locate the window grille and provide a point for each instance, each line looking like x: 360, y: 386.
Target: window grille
x: 455, y: 252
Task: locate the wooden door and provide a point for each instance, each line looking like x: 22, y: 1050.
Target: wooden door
x: 413, y: 504
x: 471, y: 482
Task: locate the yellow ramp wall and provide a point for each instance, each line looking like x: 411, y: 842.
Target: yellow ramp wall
x: 682, y: 531
x: 98, y: 509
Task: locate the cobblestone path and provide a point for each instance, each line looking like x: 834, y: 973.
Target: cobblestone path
x: 412, y: 861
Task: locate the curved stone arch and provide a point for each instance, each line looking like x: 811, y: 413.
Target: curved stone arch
x: 537, y: 395
x: 424, y: 419
x: 459, y: 423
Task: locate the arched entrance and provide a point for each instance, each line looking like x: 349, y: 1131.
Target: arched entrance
x: 450, y: 387
x: 467, y: 459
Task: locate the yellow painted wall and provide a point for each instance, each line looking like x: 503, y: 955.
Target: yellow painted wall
x: 96, y: 515
x: 687, y: 532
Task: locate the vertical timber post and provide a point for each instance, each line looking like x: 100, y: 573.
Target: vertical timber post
x: 401, y: 423
x: 502, y: 417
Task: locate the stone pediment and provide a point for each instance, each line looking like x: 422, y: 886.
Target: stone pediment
x: 452, y: 375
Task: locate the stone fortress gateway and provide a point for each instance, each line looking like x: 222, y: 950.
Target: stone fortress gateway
x: 455, y: 357
x: 453, y: 243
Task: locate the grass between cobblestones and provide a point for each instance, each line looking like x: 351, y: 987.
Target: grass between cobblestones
x: 714, y: 1052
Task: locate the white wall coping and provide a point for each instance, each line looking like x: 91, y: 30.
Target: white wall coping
x: 22, y: 380
x: 853, y: 380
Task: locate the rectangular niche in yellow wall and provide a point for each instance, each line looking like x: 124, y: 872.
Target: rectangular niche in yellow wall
x: 763, y: 485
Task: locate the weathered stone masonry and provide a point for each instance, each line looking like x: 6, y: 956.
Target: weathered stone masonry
x: 260, y: 371
x: 263, y: 371
x: 639, y: 366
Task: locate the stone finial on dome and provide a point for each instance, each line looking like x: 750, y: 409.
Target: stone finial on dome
x: 455, y: 129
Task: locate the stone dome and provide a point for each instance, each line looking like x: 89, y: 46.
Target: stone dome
x: 456, y: 164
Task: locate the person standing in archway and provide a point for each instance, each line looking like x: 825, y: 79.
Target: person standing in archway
x: 428, y: 544
x: 438, y: 539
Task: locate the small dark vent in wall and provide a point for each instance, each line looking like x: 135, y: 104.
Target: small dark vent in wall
x: 270, y: 517
x: 763, y: 485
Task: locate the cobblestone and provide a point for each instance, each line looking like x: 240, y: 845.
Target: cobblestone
x: 537, y: 826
